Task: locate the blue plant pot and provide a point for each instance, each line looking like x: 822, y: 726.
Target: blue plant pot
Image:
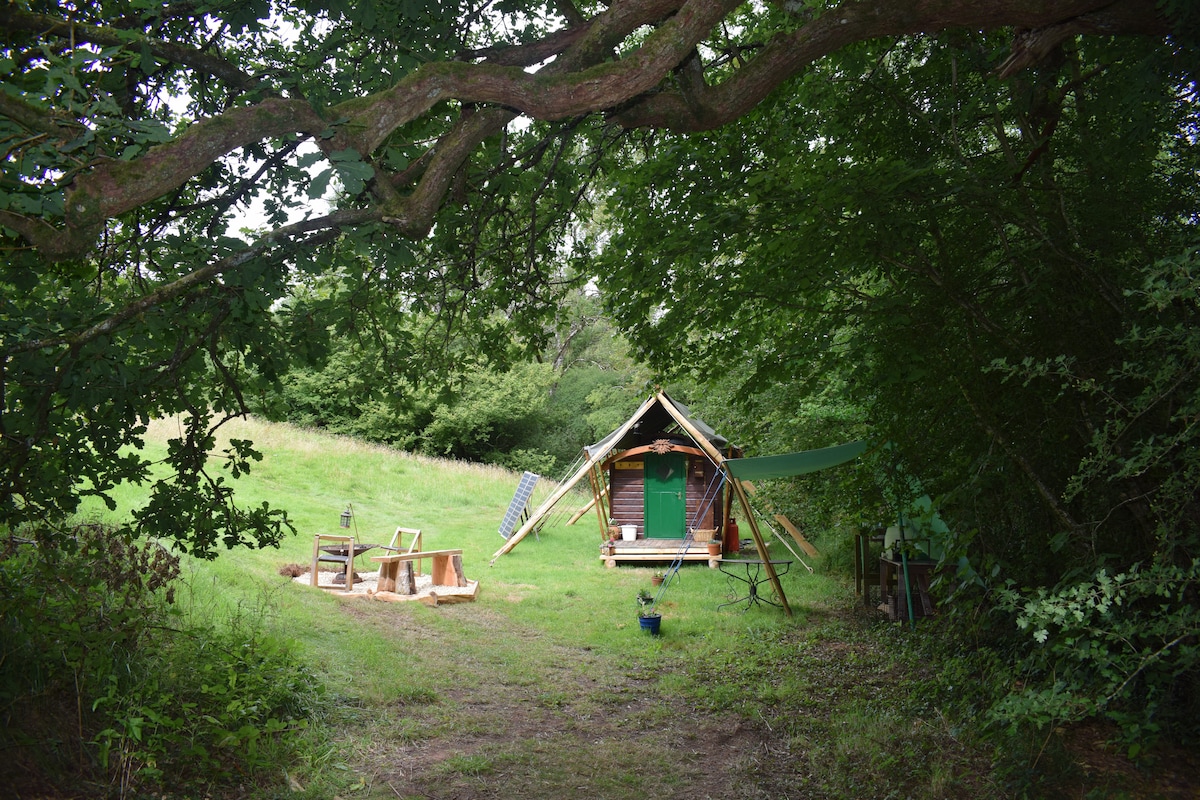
x: 650, y: 624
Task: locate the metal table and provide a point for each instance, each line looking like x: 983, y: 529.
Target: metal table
x: 754, y: 577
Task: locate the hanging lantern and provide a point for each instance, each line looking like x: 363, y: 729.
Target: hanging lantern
x: 345, y: 519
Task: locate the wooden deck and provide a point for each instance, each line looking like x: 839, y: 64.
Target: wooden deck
x: 656, y: 550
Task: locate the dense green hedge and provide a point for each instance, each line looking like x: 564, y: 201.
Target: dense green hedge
x: 108, y: 687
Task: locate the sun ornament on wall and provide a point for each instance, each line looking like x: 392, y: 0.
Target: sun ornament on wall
x: 661, y: 446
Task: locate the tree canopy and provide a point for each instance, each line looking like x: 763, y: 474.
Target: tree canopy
x: 398, y: 95
x: 995, y: 281
x: 941, y: 250
x: 138, y: 134
x: 964, y: 229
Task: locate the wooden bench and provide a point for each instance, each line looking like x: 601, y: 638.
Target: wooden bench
x: 396, y: 573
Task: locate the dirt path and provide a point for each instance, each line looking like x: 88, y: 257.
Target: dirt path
x: 497, y: 711
x: 563, y: 722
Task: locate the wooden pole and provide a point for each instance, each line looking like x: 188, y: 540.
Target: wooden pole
x: 804, y: 543
x: 578, y: 515
x: 790, y: 549
x: 604, y: 503
x: 538, y: 515
x: 698, y: 437
x: 599, y: 505
x: 799, y: 537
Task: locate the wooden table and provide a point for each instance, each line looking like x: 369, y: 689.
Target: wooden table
x: 754, y: 577
x: 396, y: 570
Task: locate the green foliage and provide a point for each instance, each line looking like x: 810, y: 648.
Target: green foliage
x: 210, y: 705
x: 645, y: 602
x: 172, y: 311
x: 470, y: 401
x: 852, y: 706
x: 859, y: 256
x: 856, y: 259
x: 833, y: 245
x: 107, y: 679
x: 75, y: 405
x: 1122, y: 643
x: 1150, y: 402
x: 1124, y: 646
x: 488, y: 413
x: 779, y: 419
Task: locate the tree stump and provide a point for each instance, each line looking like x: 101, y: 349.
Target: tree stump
x: 397, y: 577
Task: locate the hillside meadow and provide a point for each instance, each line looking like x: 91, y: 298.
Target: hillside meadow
x: 545, y: 685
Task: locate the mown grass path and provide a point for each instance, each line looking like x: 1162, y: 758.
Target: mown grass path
x: 567, y: 721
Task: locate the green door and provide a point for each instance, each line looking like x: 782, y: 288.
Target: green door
x: 666, y: 497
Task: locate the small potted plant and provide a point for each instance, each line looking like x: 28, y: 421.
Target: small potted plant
x: 648, y: 618
x: 657, y: 579
x: 714, y: 545
x: 614, y: 530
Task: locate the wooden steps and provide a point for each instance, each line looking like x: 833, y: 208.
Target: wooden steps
x: 660, y: 550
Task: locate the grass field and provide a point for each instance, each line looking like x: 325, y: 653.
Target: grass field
x: 554, y: 580
x: 545, y: 686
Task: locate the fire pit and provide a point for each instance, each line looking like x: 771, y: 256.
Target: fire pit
x: 339, y: 552
x: 342, y: 553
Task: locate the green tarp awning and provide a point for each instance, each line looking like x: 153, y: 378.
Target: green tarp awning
x: 788, y: 464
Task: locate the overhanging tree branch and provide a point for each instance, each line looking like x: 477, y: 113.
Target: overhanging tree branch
x: 14, y: 19
x: 327, y: 224
x: 588, y: 76
x: 788, y: 54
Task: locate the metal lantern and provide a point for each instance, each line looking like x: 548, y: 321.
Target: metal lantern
x: 345, y: 519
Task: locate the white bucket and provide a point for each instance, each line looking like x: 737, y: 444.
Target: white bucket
x: 628, y: 532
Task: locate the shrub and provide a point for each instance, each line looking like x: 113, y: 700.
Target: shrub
x: 1125, y: 647
x: 106, y: 682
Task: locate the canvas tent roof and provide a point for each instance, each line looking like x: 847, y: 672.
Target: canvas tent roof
x: 653, y: 416
x: 788, y: 464
x: 656, y: 413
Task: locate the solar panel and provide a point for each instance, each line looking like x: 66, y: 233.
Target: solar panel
x: 517, y: 509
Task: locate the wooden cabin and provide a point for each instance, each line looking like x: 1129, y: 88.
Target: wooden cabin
x: 669, y: 480
x: 658, y: 478
x: 663, y: 488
